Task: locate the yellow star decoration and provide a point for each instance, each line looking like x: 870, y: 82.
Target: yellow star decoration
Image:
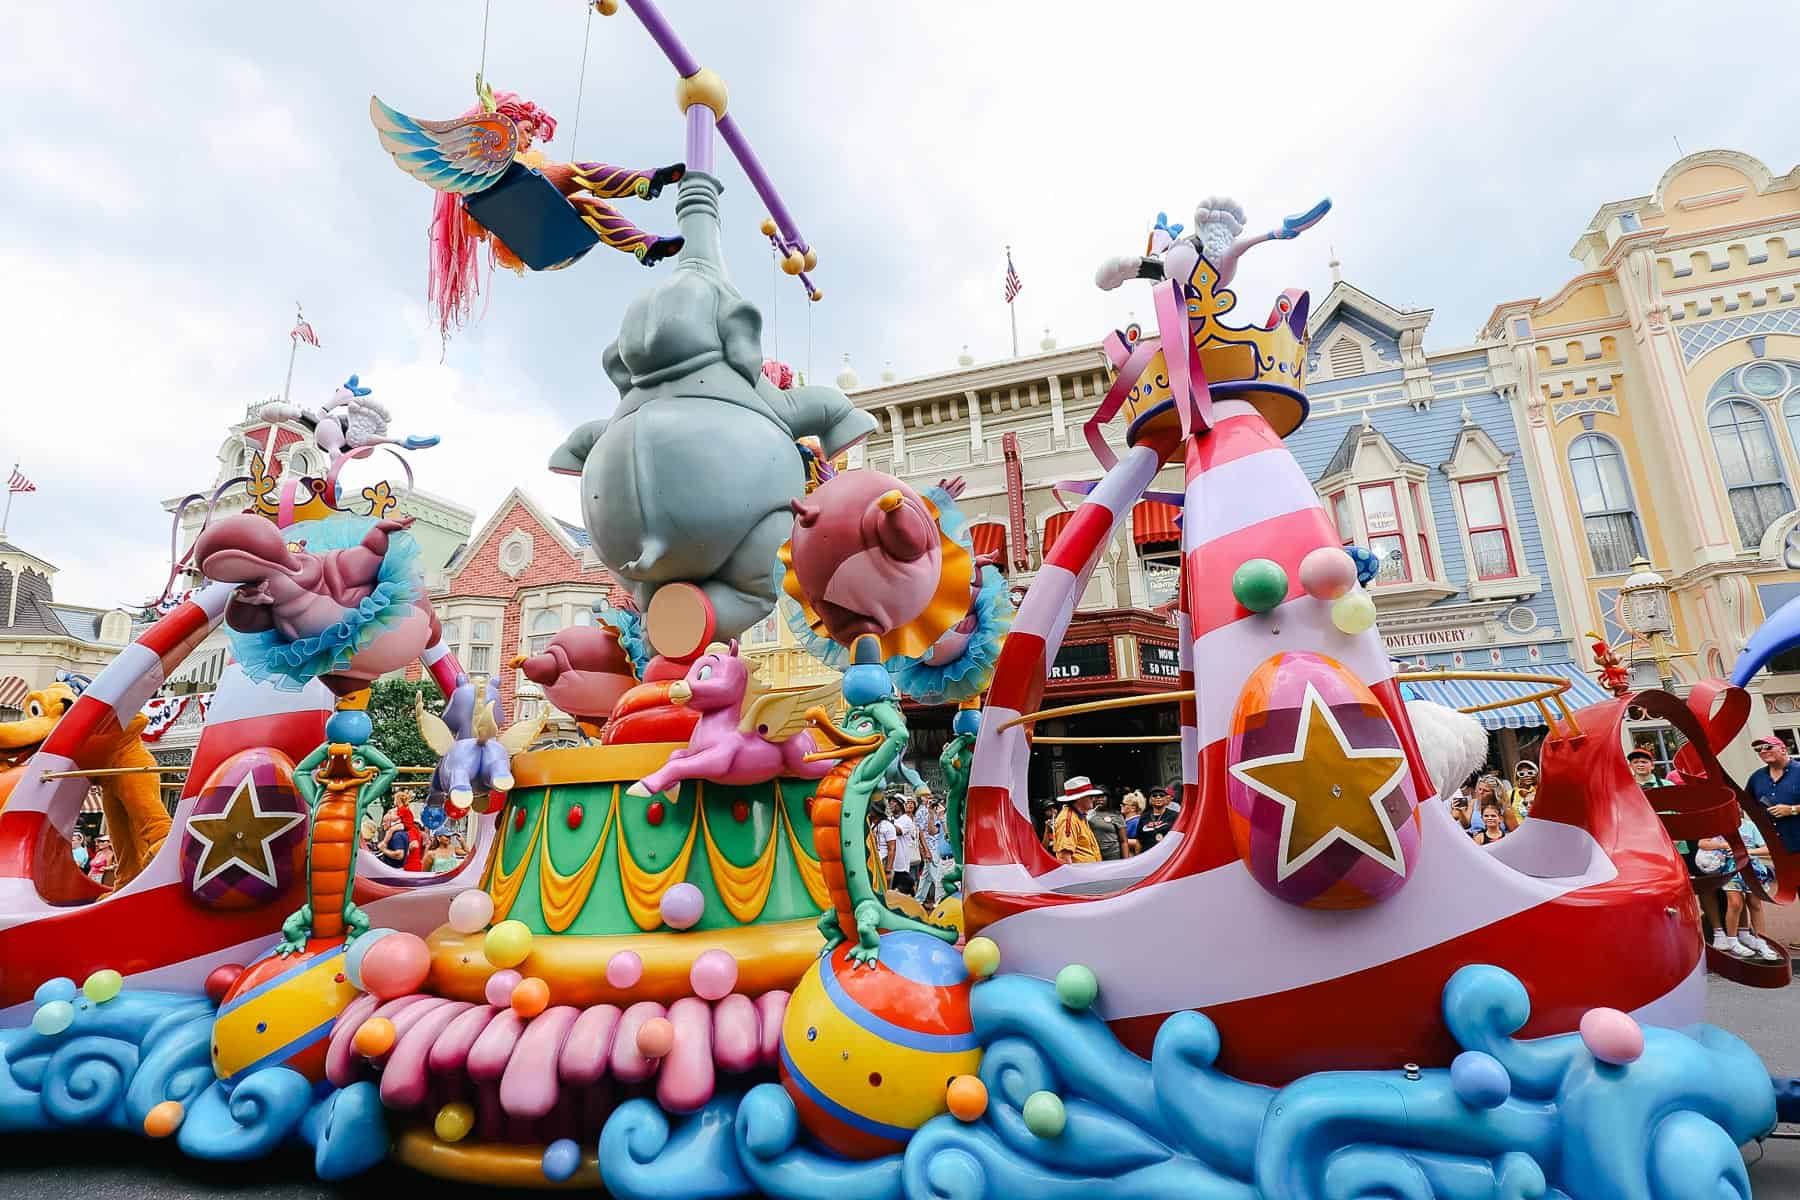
x: 1329, y: 791
x: 240, y: 836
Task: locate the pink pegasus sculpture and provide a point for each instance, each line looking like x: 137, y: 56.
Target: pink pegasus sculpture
x: 747, y: 733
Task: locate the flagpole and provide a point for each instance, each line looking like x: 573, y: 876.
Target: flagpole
x: 1012, y: 309
x: 293, y: 349
x: 7, y: 515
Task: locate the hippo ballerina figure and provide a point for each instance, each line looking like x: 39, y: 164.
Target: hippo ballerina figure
x: 471, y: 748
x: 583, y: 670
x: 747, y: 733
x: 338, y: 600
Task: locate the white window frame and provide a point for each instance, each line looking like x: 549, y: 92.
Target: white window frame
x: 1375, y: 463
x: 1474, y: 458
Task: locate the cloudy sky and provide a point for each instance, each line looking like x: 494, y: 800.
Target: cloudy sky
x: 177, y: 175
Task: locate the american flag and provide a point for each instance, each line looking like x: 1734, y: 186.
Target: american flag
x: 1013, y: 285
x: 18, y: 483
x: 304, y: 331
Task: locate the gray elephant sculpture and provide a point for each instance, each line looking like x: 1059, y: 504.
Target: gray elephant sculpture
x: 691, y: 477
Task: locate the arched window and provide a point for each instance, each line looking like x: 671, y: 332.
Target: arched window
x: 1749, y: 463
x: 1607, y: 515
x: 543, y: 628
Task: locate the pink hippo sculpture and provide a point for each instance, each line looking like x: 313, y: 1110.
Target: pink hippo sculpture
x: 747, y: 733
x: 583, y: 671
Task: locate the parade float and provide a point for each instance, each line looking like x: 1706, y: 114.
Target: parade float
x: 669, y: 968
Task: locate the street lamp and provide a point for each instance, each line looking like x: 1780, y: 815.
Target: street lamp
x: 1644, y: 608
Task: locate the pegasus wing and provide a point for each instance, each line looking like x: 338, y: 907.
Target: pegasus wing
x: 519, y: 737
x: 463, y: 156
x: 437, y: 735
x: 779, y: 715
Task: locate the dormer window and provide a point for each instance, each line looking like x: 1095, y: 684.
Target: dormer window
x: 1481, y: 479
x: 1379, y: 498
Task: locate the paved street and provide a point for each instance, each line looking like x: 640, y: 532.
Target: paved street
x: 129, y: 1168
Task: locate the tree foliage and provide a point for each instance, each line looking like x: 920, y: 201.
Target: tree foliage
x: 396, y: 729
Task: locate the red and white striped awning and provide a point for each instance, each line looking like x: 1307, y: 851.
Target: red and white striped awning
x: 90, y: 803
x: 1053, y: 529
x: 989, y: 537
x: 1154, y: 521
x: 13, y: 691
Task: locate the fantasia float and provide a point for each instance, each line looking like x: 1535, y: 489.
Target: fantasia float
x: 671, y: 967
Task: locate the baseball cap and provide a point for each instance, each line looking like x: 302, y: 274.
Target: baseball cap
x: 1640, y: 752
x: 1760, y: 742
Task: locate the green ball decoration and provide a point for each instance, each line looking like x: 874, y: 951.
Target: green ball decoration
x: 1259, y: 584
x: 102, y: 986
x: 1076, y: 987
x: 1044, y: 1114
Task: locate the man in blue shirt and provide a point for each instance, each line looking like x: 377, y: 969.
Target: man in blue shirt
x: 1776, y: 786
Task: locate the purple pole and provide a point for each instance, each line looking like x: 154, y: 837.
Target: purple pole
x: 759, y: 179
x: 699, y: 138
x: 663, y: 36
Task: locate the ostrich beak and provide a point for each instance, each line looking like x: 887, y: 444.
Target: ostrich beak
x: 515, y: 662
x: 680, y: 691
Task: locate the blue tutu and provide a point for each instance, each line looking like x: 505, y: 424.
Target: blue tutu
x: 629, y: 627
x: 290, y: 664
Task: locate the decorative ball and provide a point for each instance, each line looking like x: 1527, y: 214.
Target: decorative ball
x: 53, y: 1018
x: 811, y: 260
x: 471, y: 910
x: 714, y: 974
x: 654, y: 812
x: 163, y: 1119
x: 656, y: 1037
x: 768, y: 227
x: 865, y: 1052
x: 1366, y: 562
x: 54, y: 989
x: 374, y: 1037
x: 740, y: 811
x: 624, y: 969
x: 682, y: 906
x: 1259, y: 584
x: 357, y: 951
x: 396, y: 966
x: 519, y: 819
x: 1076, y: 987
x: 981, y: 955
x: 102, y: 986
x: 219, y: 981
x: 1044, y: 1114
x: 606, y: 8
x: 1612, y: 1036
x: 1479, y: 1080
x: 530, y: 997
x: 562, y: 1158
x: 794, y: 263
x: 1353, y: 614
x: 499, y: 988
x: 1327, y: 573
x: 966, y: 1097
x: 816, y: 295
x: 349, y: 725
x: 966, y: 720
x: 454, y: 1121
x: 507, y: 944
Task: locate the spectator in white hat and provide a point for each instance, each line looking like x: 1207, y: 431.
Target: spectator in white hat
x: 1071, y: 838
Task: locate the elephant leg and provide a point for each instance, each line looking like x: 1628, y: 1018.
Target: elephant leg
x: 742, y: 590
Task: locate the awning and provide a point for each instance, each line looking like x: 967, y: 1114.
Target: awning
x: 1154, y: 521
x: 1053, y: 529
x: 13, y: 691
x: 989, y: 537
x: 91, y: 802
x: 1467, y: 693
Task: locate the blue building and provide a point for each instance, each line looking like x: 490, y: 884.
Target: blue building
x: 1416, y: 454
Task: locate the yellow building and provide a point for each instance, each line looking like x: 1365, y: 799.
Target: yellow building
x: 40, y: 635
x: 1660, y: 390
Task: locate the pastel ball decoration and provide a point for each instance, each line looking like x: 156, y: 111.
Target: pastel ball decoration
x: 1076, y: 987
x: 374, y: 1037
x: 966, y: 1097
x: 53, y: 1018
x: 508, y: 944
x: 1612, y: 1036
x: 349, y: 725
x: 102, y: 986
x: 220, y: 980
x: 981, y: 956
x: 714, y: 974
x: 530, y: 997
x: 656, y: 1037
x: 358, y: 952
x: 682, y: 906
x: 966, y: 720
x: 396, y: 966
x: 1479, y: 1079
x: 1259, y: 584
x: 1353, y: 614
x: 454, y: 1122
x: 499, y: 989
x: 624, y: 969
x: 1327, y: 573
x: 1044, y: 1114
x: 471, y: 911
x: 54, y: 989
x: 163, y: 1119
x: 562, y: 1158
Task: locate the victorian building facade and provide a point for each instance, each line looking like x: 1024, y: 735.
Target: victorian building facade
x: 40, y: 636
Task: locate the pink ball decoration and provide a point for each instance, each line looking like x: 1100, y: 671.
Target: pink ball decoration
x: 682, y: 906
x: 1327, y: 573
x: 624, y: 969
x: 500, y: 987
x: 471, y: 911
x: 396, y: 966
x: 656, y: 1037
x: 1612, y: 1036
x: 714, y: 974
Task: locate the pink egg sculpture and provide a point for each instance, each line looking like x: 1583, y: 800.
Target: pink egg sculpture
x: 396, y: 966
x: 1327, y: 573
x: 682, y: 906
x: 624, y: 969
x: 500, y: 987
x: 1612, y: 1036
x: 714, y: 974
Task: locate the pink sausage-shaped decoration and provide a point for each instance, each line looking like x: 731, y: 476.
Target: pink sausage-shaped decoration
x: 528, y: 1088
x: 342, y: 1062
x: 628, y: 1066
x: 588, y: 1046
x: 410, y: 1016
x: 493, y: 1049
x: 772, y: 1008
x: 687, y: 1078
x: 404, y: 1081
x: 490, y: 1119
x: 452, y: 1049
x: 737, y: 1033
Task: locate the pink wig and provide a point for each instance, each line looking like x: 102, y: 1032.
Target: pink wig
x: 455, y: 278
